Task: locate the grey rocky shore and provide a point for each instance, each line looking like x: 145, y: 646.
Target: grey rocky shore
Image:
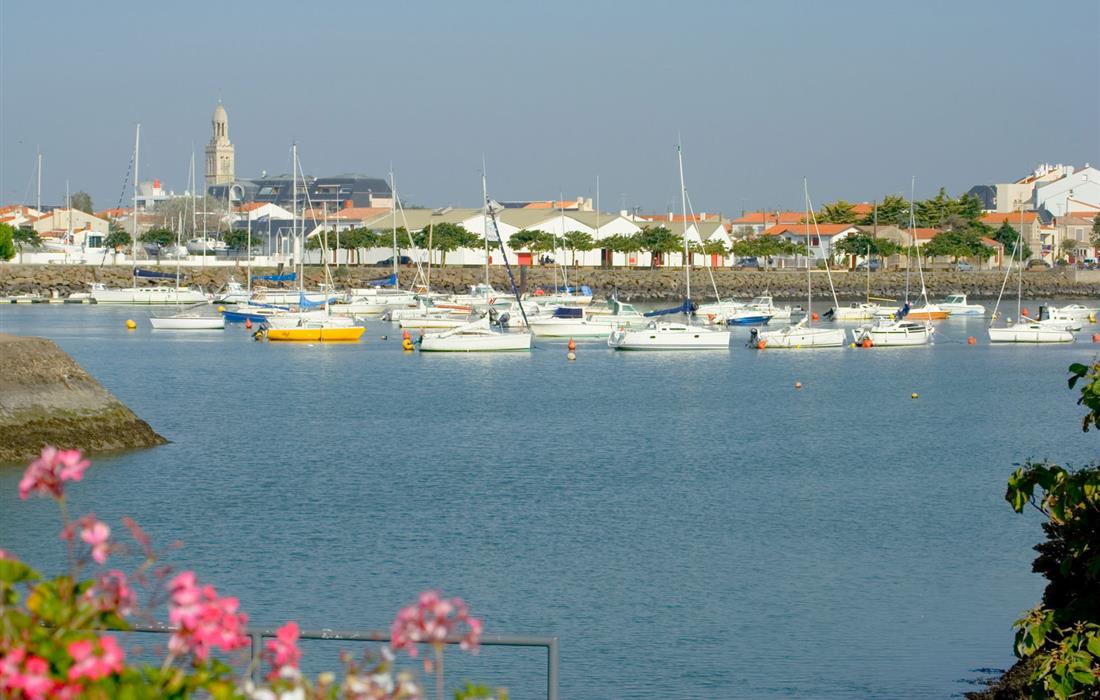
x: 46, y: 398
x: 641, y: 284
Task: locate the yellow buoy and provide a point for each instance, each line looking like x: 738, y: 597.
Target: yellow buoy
x: 407, y: 344
x: 851, y: 345
x: 914, y: 395
x: 130, y: 324
x: 221, y: 309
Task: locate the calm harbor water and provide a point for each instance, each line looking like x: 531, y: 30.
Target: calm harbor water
x: 689, y: 524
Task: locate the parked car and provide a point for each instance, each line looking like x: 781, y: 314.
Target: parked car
x: 388, y: 262
x: 1087, y: 264
x: 874, y: 265
x: 1037, y: 264
x: 747, y: 264
x: 963, y: 267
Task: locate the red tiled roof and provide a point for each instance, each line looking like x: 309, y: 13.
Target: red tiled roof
x: 863, y: 208
x: 809, y: 229
x: 770, y: 217
x: 1011, y: 217
x: 358, y: 213
x: 115, y: 213
x: 250, y: 206
x: 678, y: 217
x: 923, y: 234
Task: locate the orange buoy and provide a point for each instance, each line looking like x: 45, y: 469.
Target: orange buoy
x: 710, y: 318
x: 971, y: 341
x: 248, y: 323
x: 815, y: 317
x: 1025, y: 312
x: 867, y: 343
x: 761, y: 345
x: 572, y: 345
x: 1096, y: 337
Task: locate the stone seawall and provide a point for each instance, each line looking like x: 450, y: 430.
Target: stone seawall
x: 46, y: 398
x: 637, y: 285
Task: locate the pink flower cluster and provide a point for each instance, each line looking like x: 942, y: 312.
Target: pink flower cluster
x: 432, y: 620
x: 27, y: 676
x: 111, y: 592
x: 95, y: 659
x: 46, y: 474
x: 283, y: 651
x: 205, y: 620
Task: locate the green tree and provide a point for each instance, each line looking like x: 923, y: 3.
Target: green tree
x: 716, y: 246
x: 577, y: 240
x: 1006, y: 236
x: 158, y: 236
x: 1096, y: 230
x: 1059, y: 639
x: 957, y: 244
x: 622, y: 243
x: 238, y: 239
x: 26, y: 238
x: 448, y: 237
x: 81, y: 201
x: 7, y: 242
x: 893, y: 209
x: 839, y: 212
x: 659, y: 241
x: 532, y: 240
x: 117, y: 237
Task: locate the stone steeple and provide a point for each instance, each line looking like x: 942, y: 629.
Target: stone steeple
x: 219, y: 152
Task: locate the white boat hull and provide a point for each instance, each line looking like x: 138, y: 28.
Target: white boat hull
x: 862, y: 312
x: 964, y: 309
x: 669, y: 336
x: 148, y: 295
x: 480, y: 342
x: 793, y: 337
x: 896, y: 335
x: 187, y: 323
x: 1029, y: 333
x: 571, y: 328
x: 432, y: 322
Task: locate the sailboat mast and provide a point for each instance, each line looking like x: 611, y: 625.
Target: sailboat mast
x: 194, y: 202
x: 393, y: 213
x: 564, y: 275
x: 248, y: 252
x: 38, y: 201
x: 1020, y: 286
x: 485, y: 217
x: 809, y: 285
x: 133, y: 241
x: 294, y: 203
x: 179, y: 225
x: 597, y: 231
x: 683, y: 210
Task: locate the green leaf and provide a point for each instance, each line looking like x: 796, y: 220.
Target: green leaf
x: 14, y: 571
x: 1094, y: 646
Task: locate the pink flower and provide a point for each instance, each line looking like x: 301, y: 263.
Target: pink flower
x: 111, y: 592
x: 205, y: 620
x: 283, y: 651
x: 46, y: 474
x: 29, y: 674
x: 92, y: 665
x: 432, y: 620
x: 96, y: 534
x: 7, y: 555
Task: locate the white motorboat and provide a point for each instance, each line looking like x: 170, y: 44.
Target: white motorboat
x: 862, y: 311
x: 286, y: 297
x: 205, y: 246
x: 957, y: 305
x: 1029, y: 332
x: 433, y: 321
x: 1056, y: 318
x: 665, y: 335
x: 187, y: 321
x: 766, y: 305
x: 571, y: 322
x: 800, y: 335
x: 889, y: 333
x: 1078, y: 312
x: 146, y: 295
x: 476, y: 336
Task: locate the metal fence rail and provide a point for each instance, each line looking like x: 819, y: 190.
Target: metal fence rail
x: 490, y: 640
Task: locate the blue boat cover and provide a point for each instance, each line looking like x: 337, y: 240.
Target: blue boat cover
x: 686, y: 308
x: 569, y: 312
x: 586, y: 290
x: 288, y: 277
x: 390, y: 281
x: 307, y: 304
x: 902, y: 312
x: 152, y: 274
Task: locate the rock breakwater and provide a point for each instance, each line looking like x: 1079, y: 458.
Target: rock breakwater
x: 46, y: 398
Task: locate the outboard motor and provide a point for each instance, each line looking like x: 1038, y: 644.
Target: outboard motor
x: 754, y: 333
x: 830, y: 313
x: 503, y: 320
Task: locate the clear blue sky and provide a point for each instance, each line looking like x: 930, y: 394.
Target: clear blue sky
x: 857, y: 96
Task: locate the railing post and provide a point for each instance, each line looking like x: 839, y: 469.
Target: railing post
x: 257, y: 650
x: 552, y: 669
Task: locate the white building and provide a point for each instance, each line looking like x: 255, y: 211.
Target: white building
x: 1076, y: 191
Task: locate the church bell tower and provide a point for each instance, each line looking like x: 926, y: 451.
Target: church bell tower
x: 219, y: 152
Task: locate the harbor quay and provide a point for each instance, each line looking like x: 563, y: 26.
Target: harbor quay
x: 56, y: 282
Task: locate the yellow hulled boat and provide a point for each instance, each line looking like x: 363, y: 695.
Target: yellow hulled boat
x: 304, y: 328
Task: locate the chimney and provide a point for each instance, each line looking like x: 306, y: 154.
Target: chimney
x: 348, y: 204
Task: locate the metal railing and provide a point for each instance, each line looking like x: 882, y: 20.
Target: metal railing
x: 490, y: 640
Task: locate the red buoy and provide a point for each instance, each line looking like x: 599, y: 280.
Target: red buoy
x: 572, y: 345
x: 248, y: 323
x: 971, y: 341
x: 1096, y: 337
x: 815, y: 317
